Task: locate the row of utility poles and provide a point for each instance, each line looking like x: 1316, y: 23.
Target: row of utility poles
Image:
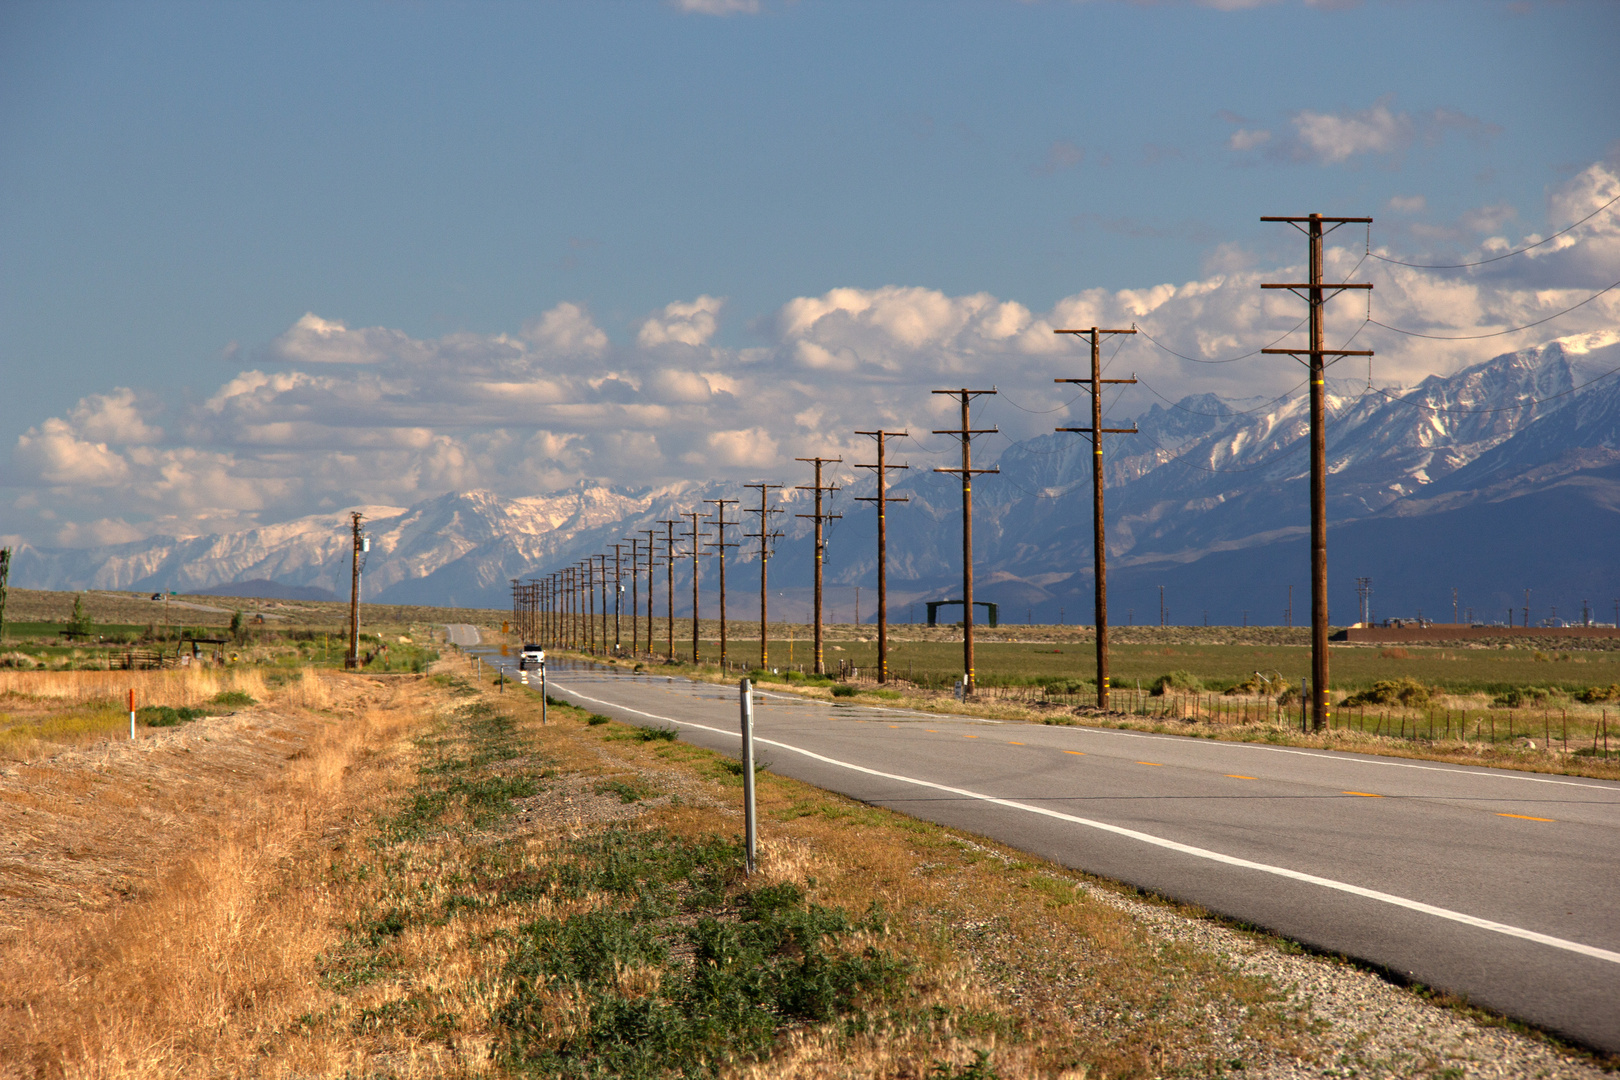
x: 561, y: 607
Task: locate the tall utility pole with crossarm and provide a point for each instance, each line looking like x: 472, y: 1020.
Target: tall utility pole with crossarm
x: 821, y: 544
x: 720, y: 546
x: 765, y: 536
x: 1316, y: 294
x: 1099, y: 548
x: 966, y: 433
x: 882, y: 498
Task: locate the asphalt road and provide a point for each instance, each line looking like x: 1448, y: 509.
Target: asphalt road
x: 1497, y: 885
x: 463, y: 634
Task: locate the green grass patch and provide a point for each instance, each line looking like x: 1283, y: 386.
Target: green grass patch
x: 234, y: 697
x: 167, y: 715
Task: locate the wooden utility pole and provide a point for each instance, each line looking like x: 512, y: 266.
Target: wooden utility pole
x: 1314, y: 293
x: 966, y: 433
x: 602, y: 586
x: 589, y: 584
x: 821, y: 545
x: 697, y: 551
x: 635, y: 594
x: 5, y: 576
x: 669, y: 579
x: 650, y: 545
x: 882, y: 498
x: 618, y: 596
x: 720, y: 546
x: 765, y: 536
x: 361, y: 546
x: 1099, y: 550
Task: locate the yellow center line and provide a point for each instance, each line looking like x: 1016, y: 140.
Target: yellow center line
x: 931, y: 731
x: 1011, y: 743
x: 1527, y: 817
x: 970, y: 736
x: 1237, y: 776
x: 894, y: 725
x: 1363, y: 794
x: 1077, y: 753
x: 1155, y: 764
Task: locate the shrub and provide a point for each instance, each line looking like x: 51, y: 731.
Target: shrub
x: 234, y: 697
x: 1069, y: 686
x: 595, y: 719
x: 1395, y: 654
x: 1515, y: 696
x: 658, y: 734
x: 167, y: 716
x: 843, y: 690
x: 1183, y: 681
x: 1405, y: 691
x: 1594, y: 694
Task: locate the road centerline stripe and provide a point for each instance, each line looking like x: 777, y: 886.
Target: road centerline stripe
x: 1207, y: 854
x: 1363, y: 794
x: 1526, y: 817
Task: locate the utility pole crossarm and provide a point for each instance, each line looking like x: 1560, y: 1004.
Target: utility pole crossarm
x: 1105, y: 431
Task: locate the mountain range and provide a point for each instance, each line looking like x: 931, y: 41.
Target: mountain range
x: 1456, y: 494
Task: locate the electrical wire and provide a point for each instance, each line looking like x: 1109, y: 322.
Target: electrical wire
x: 1040, y: 412
x: 1234, y: 412
x: 1229, y: 360
x: 1499, y: 258
x: 1498, y: 333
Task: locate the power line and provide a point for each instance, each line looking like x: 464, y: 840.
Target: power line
x: 1228, y: 360
x: 1498, y: 333
x: 1499, y: 258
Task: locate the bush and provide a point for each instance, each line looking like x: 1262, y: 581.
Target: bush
x: 843, y: 690
x: 1069, y: 686
x: 167, y: 716
x: 1183, y: 681
x: 595, y: 719
x: 1592, y: 695
x: 658, y: 734
x: 1405, y: 691
x: 234, y: 697
x: 1515, y: 696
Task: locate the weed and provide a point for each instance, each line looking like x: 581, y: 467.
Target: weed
x: 234, y: 697
x: 657, y: 734
x: 1405, y: 691
x: 166, y: 715
x: 1177, y: 680
x: 596, y: 719
x: 981, y: 1069
x: 843, y: 690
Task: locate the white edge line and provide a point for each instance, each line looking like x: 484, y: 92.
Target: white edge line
x: 1159, y: 841
x: 1347, y: 756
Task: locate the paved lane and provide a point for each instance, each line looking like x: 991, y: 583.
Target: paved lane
x: 463, y: 634
x: 1498, y: 885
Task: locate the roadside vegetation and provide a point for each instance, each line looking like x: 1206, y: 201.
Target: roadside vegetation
x: 409, y: 878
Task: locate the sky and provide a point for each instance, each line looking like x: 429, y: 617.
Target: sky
x: 263, y: 260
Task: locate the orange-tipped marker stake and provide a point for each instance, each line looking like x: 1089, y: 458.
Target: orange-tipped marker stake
x: 132, y: 713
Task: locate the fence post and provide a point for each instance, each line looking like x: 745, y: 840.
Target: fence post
x: 750, y: 830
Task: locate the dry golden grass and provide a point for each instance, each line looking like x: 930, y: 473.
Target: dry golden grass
x: 210, y: 946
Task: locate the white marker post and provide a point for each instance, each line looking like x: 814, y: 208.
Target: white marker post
x: 542, y: 687
x: 132, y: 714
x: 750, y: 831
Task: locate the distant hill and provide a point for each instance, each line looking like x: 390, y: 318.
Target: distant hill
x: 1502, y: 477
x: 265, y: 589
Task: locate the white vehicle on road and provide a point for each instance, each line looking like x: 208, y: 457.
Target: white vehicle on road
x: 532, y: 658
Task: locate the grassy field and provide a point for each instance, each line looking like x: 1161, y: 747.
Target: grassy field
x: 1143, y: 654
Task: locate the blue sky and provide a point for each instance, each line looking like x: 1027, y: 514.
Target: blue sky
x: 180, y: 184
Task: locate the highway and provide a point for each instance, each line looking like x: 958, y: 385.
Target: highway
x: 1497, y: 885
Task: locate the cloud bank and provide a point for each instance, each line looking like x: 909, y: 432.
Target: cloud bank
x: 327, y: 415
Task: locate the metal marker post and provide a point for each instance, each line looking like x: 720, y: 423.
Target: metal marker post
x: 542, y: 688
x: 132, y: 713
x: 749, y: 829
